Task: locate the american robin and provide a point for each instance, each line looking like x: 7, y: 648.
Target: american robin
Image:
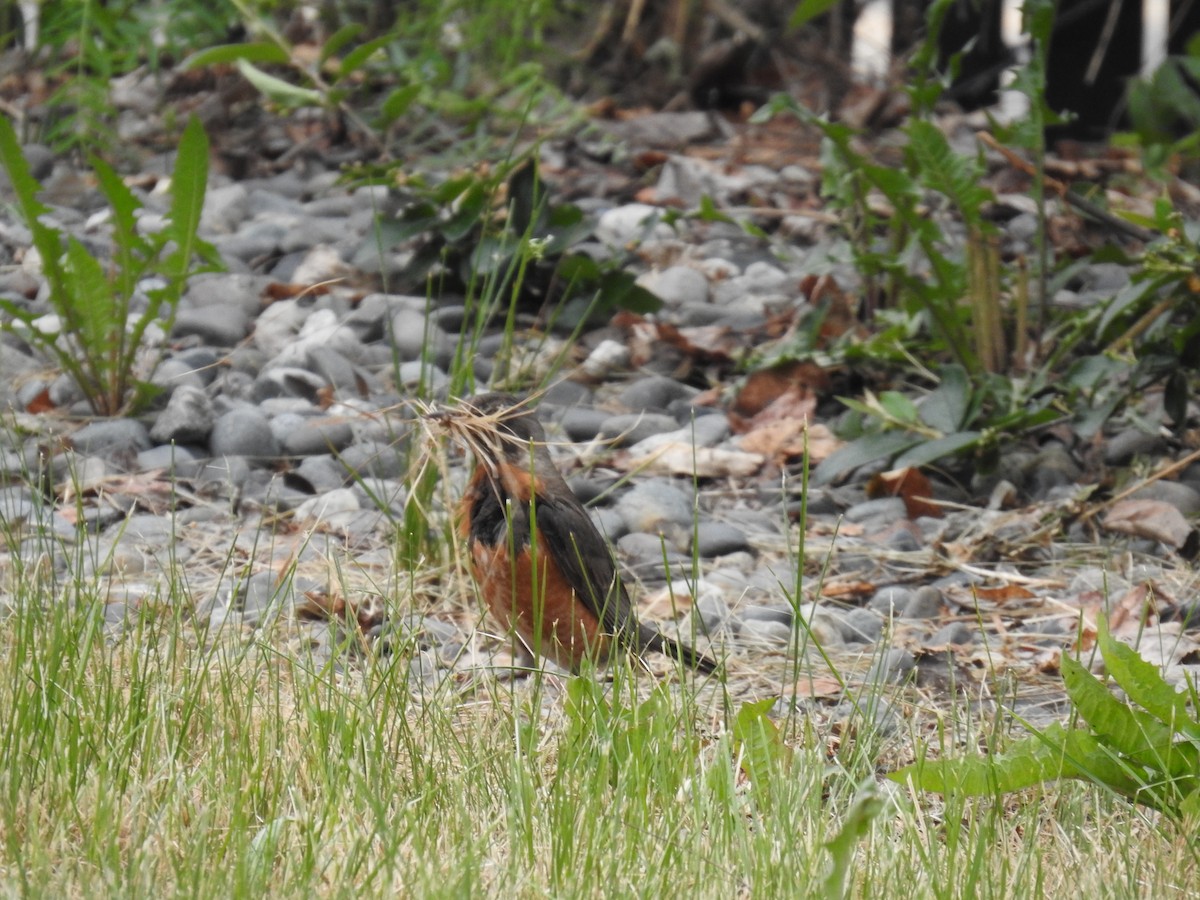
x: 541, y: 565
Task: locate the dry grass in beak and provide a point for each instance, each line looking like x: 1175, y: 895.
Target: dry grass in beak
x: 479, y: 431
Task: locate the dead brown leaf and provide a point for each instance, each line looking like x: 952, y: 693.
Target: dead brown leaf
x: 682, y: 458
x: 793, y: 385
x: 1003, y: 593
x: 1154, y: 519
x: 785, y: 439
x: 909, y: 484
x: 837, y: 589
x: 817, y: 687
x: 41, y: 402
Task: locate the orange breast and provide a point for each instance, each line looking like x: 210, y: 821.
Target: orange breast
x: 528, y: 595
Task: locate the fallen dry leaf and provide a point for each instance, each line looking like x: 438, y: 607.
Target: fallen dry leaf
x: 681, y: 458
x: 795, y: 385
x: 1003, y: 593
x: 41, y: 402
x: 1154, y: 519
x: 785, y: 439
x: 910, y: 485
x: 848, y: 588
x: 817, y: 687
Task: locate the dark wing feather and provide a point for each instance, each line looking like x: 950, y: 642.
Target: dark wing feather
x: 574, y: 541
x: 585, y: 560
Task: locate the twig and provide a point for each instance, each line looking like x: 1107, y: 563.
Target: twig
x: 1139, y: 485
x: 1065, y: 193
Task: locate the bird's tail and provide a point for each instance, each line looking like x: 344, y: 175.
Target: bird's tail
x: 653, y: 639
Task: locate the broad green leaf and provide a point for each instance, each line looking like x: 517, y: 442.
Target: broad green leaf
x: 527, y: 195
x: 1124, y: 300
x: 958, y: 177
x: 899, y: 407
x: 398, y: 101
x: 708, y: 212
x: 1089, y: 372
x: 188, y: 184
x: 619, y: 290
x: 469, y: 211
x: 1026, y: 763
x: 355, y: 59
x: 492, y: 253
x: 867, y: 449
x: 1023, y: 419
x: 578, y: 267
x: 1134, y: 734
x: 1046, y: 756
x: 263, y: 52
x: 340, y: 39
x: 807, y: 10
x: 95, y: 320
x: 868, y: 805
x: 26, y: 188
x: 282, y: 92
x: 927, y: 452
x: 1145, y: 685
x: 946, y: 407
x: 566, y: 225
x: 128, y: 242
x: 763, y: 751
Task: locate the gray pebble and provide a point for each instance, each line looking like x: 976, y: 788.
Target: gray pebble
x: 1053, y: 467
x: 330, y: 507
x: 862, y: 626
x: 221, y: 325
x: 243, y: 432
x: 317, y: 435
x: 646, y: 553
x: 187, y: 418
x: 822, y: 624
x: 891, y: 599
x: 632, y: 428
x: 925, y: 603
x: 225, y: 207
x: 373, y: 458
x: 412, y: 337
x: 111, y: 436
x: 654, y: 393
x: 769, y: 612
x: 677, y: 286
x: 884, y: 511
x: 903, y: 540
x: 609, y: 522
x: 1121, y: 448
x: 953, y: 633
x: 173, y: 372
x: 318, y: 474
x: 631, y: 223
x: 222, y: 477
x: 655, y: 506
x: 765, y: 633
x: 713, y: 612
x: 718, y: 539
x: 895, y: 666
x: 175, y: 459
x: 582, y: 424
